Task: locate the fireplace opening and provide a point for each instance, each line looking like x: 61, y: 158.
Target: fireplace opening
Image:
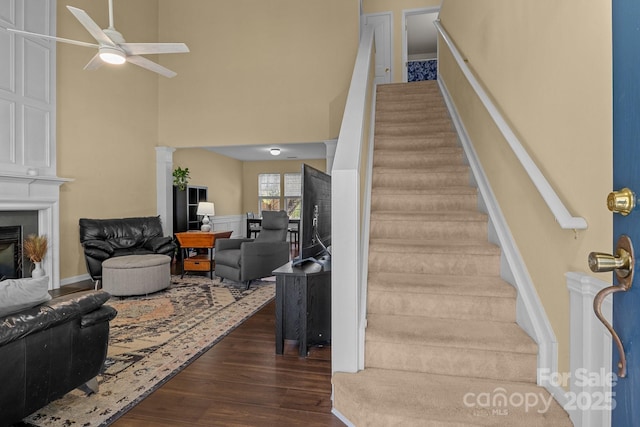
x: 10, y: 252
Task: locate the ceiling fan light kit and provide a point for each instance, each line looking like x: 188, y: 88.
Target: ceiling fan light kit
x: 112, y: 48
x: 112, y: 55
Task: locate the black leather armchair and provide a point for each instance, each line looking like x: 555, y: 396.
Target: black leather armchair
x: 106, y: 238
x: 48, y: 350
x: 244, y: 260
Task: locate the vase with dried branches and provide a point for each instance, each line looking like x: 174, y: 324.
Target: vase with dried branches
x: 35, y: 248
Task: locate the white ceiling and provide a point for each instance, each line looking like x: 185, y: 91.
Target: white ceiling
x: 295, y: 151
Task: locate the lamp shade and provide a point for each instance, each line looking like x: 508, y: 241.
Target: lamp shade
x: 206, y: 208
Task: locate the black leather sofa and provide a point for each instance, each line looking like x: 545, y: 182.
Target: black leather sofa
x: 106, y: 238
x: 48, y: 350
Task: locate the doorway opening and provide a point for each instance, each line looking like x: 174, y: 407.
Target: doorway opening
x: 420, y: 45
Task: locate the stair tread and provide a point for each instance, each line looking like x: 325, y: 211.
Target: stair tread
x: 379, y: 170
x: 477, y: 247
x: 452, y: 149
x: 394, y: 283
x: 457, y: 333
x: 449, y: 190
x: 440, y: 400
x: 428, y: 216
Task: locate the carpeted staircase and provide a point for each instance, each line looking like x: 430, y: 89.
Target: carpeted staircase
x: 442, y: 345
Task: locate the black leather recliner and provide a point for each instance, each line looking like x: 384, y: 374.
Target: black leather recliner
x: 48, y: 350
x: 106, y: 238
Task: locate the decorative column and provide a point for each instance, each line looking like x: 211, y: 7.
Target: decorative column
x: 331, y: 153
x: 164, y: 187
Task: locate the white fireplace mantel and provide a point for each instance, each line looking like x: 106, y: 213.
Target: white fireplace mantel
x: 39, y: 193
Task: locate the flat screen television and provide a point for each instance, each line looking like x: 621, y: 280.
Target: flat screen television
x: 315, y: 217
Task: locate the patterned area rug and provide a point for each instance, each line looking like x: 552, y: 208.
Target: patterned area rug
x: 152, y: 338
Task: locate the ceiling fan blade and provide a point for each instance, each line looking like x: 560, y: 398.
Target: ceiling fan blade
x: 59, y: 39
x: 153, y: 48
x: 151, y: 66
x: 91, y: 26
x: 95, y: 63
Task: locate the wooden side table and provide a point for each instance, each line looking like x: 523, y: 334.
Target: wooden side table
x: 199, y: 240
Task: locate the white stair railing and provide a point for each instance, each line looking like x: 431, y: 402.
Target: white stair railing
x: 558, y: 209
x: 348, y: 259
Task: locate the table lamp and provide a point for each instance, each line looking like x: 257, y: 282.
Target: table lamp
x: 206, y: 209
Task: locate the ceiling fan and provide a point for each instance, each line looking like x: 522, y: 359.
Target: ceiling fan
x: 112, y: 48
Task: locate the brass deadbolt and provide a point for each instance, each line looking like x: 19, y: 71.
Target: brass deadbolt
x: 622, y: 201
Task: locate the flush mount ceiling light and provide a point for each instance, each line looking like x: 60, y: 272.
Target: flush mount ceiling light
x: 275, y: 151
x: 112, y: 55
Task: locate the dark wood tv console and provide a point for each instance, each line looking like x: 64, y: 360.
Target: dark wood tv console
x: 303, y: 306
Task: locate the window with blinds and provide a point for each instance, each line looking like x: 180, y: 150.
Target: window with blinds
x: 292, y: 194
x: 268, y: 192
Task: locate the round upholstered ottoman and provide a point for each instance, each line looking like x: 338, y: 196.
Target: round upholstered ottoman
x: 136, y: 274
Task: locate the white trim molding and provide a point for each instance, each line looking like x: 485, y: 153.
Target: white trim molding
x: 530, y: 313
x: 590, y: 351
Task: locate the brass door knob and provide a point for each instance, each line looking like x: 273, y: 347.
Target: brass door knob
x: 622, y: 201
x: 600, y: 262
x: 622, y: 262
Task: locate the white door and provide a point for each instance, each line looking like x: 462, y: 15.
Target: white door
x: 382, y: 35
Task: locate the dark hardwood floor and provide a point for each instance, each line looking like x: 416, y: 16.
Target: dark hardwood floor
x: 242, y: 382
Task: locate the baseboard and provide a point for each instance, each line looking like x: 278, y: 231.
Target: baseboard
x: 342, y: 418
x: 530, y: 312
x: 74, y: 279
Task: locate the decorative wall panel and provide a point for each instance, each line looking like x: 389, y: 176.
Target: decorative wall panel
x: 27, y: 88
x: 7, y: 132
x: 36, y: 137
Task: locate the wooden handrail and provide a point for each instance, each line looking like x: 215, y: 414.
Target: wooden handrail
x: 558, y: 209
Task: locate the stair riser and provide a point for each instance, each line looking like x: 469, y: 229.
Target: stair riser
x: 424, y: 107
x: 415, y: 143
x: 419, y: 180
x: 474, y: 286
x: 416, y: 160
x: 429, y: 230
x: 391, y: 116
x: 421, y: 203
x: 488, y: 364
x: 435, y: 263
x: 443, y: 306
x: 406, y: 98
x: 411, y: 129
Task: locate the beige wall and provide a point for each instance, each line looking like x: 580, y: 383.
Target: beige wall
x: 548, y: 67
x: 251, y: 170
x: 397, y: 7
x: 107, y: 127
x: 258, y: 72
x: 221, y: 175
